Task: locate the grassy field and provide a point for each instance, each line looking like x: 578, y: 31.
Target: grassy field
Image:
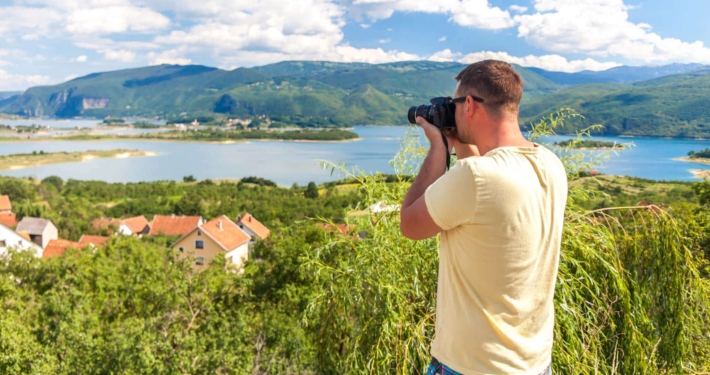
x: 21, y: 161
x: 609, y: 191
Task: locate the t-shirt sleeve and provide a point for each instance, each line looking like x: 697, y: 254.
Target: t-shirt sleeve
x: 451, y: 199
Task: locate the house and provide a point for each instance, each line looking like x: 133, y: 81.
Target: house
x: 173, y: 225
x: 96, y: 241
x: 110, y: 223
x: 219, y: 235
x: 253, y: 227
x: 8, y: 219
x: 5, y: 205
x: 41, y: 231
x: 137, y: 225
x: 59, y: 247
x: 11, y: 239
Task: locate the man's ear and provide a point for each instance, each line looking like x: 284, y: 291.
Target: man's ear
x: 471, y: 106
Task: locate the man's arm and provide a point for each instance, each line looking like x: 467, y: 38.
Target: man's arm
x: 415, y: 221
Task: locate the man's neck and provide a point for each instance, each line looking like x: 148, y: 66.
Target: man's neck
x: 503, y: 134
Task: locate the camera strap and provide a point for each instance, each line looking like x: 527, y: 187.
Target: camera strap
x: 448, y: 155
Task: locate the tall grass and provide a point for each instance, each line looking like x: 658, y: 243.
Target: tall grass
x: 629, y: 299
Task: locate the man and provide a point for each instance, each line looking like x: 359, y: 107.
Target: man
x: 500, y: 212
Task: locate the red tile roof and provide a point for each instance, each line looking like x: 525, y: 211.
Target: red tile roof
x: 98, y: 241
x: 225, y: 232
x: 8, y: 219
x: 136, y: 224
x: 254, y: 225
x: 174, y: 225
x: 104, y: 223
x: 58, y: 248
x: 5, y: 204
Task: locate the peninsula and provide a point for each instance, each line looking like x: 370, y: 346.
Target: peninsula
x: 588, y: 144
x: 38, y: 158
x: 204, y: 135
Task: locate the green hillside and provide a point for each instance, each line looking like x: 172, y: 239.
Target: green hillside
x: 674, y: 106
x: 335, y: 94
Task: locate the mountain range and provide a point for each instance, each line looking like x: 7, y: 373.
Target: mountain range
x: 671, y: 100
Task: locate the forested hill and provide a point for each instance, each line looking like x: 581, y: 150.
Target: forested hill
x: 348, y: 93
x: 672, y: 106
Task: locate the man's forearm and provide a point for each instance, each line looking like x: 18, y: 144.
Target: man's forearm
x: 432, y: 168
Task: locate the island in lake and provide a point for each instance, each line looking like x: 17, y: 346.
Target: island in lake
x: 38, y: 158
x: 588, y: 144
x: 698, y: 157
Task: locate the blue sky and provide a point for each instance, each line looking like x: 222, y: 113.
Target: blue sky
x: 50, y: 41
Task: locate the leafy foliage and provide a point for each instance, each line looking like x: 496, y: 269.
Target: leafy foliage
x: 629, y: 297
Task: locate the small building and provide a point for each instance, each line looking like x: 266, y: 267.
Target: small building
x: 57, y: 248
x: 138, y: 225
x: 41, y: 231
x: 5, y: 205
x: 253, y: 227
x: 220, y: 235
x: 115, y: 226
x: 11, y: 239
x: 8, y: 219
x: 173, y: 225
x: 96, y: 241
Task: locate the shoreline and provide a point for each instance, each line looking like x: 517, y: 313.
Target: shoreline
x: 132, y: 138
x: 693, y: 160
x: 25, y: 161
x: 700, y: 173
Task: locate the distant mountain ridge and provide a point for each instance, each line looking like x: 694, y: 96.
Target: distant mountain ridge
x: 620, y: 74
x: 305, y: 89
x: 668, y: 100
x: 671, y: 106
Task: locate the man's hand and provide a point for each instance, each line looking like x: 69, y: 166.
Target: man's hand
x: 434, y: 134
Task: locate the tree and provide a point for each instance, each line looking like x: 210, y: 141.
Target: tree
x: 311, y: 191
x: 54, y: 180
x: 189, y: 178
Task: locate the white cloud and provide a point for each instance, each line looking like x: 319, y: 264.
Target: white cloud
x: 602, y: 28
x: 442, y: 39
x: 365, y: 25
x: 250, y: 33
x: 518, y: 8
x: 555, y: 63
x: 38, y: 21
x: 13, y: 82
x: 70, y: 77
x: 172, y: 57
x: 120, y: 55
x: 445, y: 55
x: 115, y: 19
x: 470, y: 13
x: 81, y: 58
x: 383, y: 41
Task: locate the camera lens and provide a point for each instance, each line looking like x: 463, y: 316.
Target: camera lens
x: 419, y: 111
x: 412, y: 115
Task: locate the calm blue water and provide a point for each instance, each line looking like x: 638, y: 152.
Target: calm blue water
x: 289, y: 162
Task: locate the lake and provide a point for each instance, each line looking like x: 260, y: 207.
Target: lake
x: 289, y: 162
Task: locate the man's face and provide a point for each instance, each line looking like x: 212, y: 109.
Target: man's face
x: 462, y: 123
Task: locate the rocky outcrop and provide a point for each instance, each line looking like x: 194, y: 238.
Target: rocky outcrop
x: 91, y: 103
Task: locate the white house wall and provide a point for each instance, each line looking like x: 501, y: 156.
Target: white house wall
x: 14, y: 240
x: 239, y: 255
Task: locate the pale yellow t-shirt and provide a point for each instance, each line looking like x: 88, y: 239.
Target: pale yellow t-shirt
x: 502, y: 216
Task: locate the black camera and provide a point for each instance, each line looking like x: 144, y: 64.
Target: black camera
x: 441, y: 113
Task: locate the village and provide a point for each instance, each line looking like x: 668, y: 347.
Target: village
x: 198, y: 239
